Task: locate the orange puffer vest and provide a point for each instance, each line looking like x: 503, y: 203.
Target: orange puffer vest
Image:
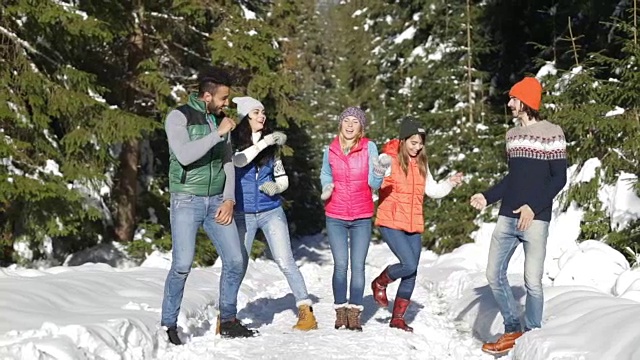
x: 401, y: 196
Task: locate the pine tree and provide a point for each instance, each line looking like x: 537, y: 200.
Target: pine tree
x: 267, y: 50
x: 595, y: 102
x: 57, y: 120
x: 421, y: 52
x: 110, y: 71
x: 86, y: 87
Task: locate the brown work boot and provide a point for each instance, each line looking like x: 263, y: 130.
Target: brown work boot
x: 341, y: 316
x: 503, y: 345
x: 306, y: 319
x: 353, y: 317
x: 218, y: 325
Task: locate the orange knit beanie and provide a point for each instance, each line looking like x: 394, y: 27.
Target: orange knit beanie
x: 529, y: 91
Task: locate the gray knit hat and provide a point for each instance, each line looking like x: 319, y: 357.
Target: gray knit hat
x: 356, y: 112
x: 246, y: 104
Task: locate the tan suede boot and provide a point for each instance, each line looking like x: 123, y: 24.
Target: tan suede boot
x: 341, y: 316
x: 353, y: 317
x: 306, y: 319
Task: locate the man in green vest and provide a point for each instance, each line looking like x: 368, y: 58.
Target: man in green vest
x: 202, y: 186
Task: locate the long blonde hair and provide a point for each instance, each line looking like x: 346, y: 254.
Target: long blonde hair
x: 403, y: 158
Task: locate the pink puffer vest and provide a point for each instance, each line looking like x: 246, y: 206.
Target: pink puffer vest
x: 351, y: 198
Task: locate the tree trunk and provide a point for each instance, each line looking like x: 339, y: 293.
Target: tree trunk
x: 127, y: 181
x: 469, y: 62
x: 6, y: 240
x: 127, y: 191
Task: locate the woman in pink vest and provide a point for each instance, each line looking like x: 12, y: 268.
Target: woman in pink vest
x: 350, y: 171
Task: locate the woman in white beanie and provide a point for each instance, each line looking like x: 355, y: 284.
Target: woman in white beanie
x: 260, y: 178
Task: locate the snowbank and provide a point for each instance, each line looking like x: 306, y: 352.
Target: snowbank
x: 591, y: 292
x: 583, y: 324
x: 95, y: 311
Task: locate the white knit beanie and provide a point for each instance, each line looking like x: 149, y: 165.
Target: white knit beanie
x: 246, y: 104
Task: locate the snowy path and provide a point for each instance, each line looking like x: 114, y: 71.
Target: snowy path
x: 272, y: 311
x: 98, y: 312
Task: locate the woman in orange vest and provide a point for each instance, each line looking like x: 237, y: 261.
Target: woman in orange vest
x: 400, y: 216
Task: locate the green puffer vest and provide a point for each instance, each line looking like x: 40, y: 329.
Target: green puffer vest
x: 205, y: 176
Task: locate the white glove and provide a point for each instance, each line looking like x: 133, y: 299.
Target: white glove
x: 385, y: 160
x: 327, y: 190
x: 270, y: 188
x: 275, y: 138
x: 381, y: 164
x: 280, y: 138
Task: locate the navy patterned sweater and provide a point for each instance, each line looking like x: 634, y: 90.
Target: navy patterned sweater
x: 537, y: 170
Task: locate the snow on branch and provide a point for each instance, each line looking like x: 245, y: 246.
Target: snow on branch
x: 72, y: 9
x: 25, y: 45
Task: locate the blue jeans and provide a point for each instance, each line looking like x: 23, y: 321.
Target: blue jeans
x: 188, y: 213
x: 274, y: 225
x: 348, y: 238
x: 407, y: 247
x: 504, y: 241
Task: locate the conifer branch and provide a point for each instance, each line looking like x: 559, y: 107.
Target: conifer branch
x: 166, y: 47
x: 25, y: 45
x: 189, y: 51
x: 573, y: 43
x: 178, y: 20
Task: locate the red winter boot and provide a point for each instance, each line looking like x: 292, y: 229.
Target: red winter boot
x: 379, y: 288
x: 397, y: 319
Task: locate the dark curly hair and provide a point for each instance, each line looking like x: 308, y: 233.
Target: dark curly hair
x: 241, y: 139
x: 531, y: 113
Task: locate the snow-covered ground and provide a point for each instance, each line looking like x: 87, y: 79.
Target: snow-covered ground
x: 95, y: 311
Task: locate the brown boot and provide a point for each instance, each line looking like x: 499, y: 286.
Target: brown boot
x: 218, y: 325
x: 503, y: 345
x: 379, y: 288
x: 306, y: 319
x: 341, y: 316
x: 353, y: 317
x: 397, y: 319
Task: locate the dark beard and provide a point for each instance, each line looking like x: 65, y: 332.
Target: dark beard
x: 212, y: 110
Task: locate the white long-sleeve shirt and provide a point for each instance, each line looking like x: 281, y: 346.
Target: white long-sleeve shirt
x: 436, y: 189
x: 432, y: 188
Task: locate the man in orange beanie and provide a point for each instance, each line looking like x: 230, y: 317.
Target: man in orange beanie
x: 536, y: 151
